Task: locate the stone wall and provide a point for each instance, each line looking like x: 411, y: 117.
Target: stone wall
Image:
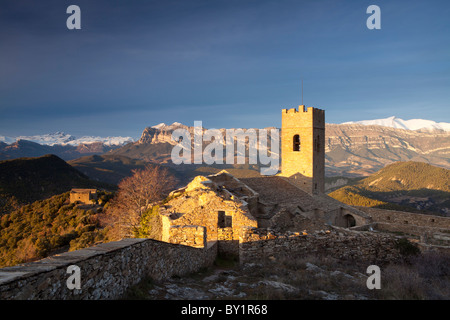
x: 406, y: 218
x: 106, y: 270
x: 228, y: 241
x: 203, y: 203
x: 85, y: 196
x: 428, y: 227
x: 194, y: 236
x: 209, y: 203
x: 258, y: 243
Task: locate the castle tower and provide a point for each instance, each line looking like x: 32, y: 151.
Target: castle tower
x: 303, y: 148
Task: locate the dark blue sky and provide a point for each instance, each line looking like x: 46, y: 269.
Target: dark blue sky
x: 228, y: 63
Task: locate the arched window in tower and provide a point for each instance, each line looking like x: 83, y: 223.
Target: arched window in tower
x: 296, y: 144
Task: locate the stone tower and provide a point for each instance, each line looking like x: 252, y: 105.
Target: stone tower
x: 303, y: 148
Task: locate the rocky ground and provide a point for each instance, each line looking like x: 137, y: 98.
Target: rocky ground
x: 231, y: 284
x: 270, y: 280
x: 303, y: 278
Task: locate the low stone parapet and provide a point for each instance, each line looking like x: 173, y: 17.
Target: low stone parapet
x: 259, y: 243
x: 106, y: 271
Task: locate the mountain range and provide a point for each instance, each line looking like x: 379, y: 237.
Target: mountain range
x: 25, y: 148
x: 352, y: 149
x: 63, y: 145
x: 360, y: 150
x: 64, y: 139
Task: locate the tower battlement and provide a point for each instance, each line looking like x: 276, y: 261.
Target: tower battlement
x: 302, y: 109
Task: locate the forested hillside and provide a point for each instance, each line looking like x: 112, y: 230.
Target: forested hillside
x: 45, y: 226
x: 412, y: 186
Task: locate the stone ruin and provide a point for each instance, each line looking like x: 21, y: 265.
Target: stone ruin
x: 270, y: 210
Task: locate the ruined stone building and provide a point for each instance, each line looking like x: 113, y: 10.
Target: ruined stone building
x: 83, y: 196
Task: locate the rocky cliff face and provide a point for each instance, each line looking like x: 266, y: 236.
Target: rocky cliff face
x: 354, y: 149
x: 161, y: 133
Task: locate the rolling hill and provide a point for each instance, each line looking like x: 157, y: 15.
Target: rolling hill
x: 107, y: 168
x: 31, y: 179
x: 407, y: 185
x: 111, y: 168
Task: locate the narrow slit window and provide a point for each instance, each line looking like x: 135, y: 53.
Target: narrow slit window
x: 296, y: 146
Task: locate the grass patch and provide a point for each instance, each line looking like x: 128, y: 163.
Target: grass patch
x: 226, y: 261
x: 140, y: 290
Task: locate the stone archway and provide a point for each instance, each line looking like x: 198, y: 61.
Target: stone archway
x: 349, y: 221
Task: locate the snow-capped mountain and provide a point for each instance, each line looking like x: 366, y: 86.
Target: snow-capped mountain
x: 163, y: 126
x: 61, y: 138
x: 413, y: 124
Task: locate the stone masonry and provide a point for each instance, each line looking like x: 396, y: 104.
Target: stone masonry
x: 107, y: 270
x: 208, y: 204
x: 303, y: 148
x: 259, y: 243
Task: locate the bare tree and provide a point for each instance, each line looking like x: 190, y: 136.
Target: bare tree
x: 136, y: 195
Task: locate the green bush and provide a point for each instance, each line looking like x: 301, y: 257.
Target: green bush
x: 150, y: 225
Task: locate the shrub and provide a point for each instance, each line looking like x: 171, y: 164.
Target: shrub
x: 407, y: 248
x: 150, y: 225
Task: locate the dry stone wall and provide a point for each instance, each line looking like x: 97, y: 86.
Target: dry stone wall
x: 228, y: 241
x: 406, y: 218
x: 210, y: 205
x: 106, y: 270
x: 194, y: 236
x: 259, y: 243
x: 432, y: 232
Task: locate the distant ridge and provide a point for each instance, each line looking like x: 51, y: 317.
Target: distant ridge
x: 64, y: 139
x: 26, y: 148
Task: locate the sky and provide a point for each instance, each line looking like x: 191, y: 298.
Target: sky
x: 227, y: 63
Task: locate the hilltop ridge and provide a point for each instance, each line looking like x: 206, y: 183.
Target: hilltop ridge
x: 407, y: 186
